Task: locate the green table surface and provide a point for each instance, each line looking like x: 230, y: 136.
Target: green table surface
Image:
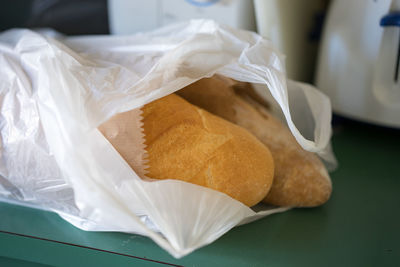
x: 359, y: 226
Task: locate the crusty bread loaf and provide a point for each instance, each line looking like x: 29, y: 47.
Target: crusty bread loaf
x: 187, y: 143
x: 301, y: 179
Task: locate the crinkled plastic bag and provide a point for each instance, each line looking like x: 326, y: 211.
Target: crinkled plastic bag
x: 56, y: 91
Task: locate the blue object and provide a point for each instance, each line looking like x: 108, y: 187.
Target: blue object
x: 391, y: 19
x: 202, y: 3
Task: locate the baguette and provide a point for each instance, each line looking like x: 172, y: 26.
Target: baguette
x: 301, y: 179
x: 187, y: 143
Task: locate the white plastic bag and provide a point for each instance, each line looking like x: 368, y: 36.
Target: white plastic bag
x: 54, y: 94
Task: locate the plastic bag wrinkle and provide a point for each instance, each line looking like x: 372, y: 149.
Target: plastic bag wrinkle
x: 71, y: 85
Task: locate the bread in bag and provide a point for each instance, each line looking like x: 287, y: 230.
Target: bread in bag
x: 187, y: 143
x: 301, y: 179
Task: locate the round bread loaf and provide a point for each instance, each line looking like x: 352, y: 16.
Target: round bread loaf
x: 187, y: 143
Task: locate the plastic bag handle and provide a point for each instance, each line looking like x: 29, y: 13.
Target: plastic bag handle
x: 321, y: 110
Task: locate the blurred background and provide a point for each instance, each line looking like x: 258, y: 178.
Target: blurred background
x: 349, y: 49
x: 294, y: 26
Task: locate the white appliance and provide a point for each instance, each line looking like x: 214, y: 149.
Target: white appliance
x: 358, y: 64
x: 130, y: 16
